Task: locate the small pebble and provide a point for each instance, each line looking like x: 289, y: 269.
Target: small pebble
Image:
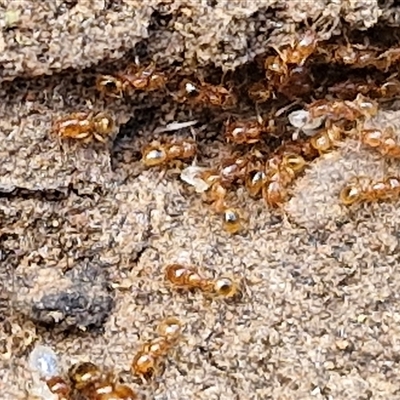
x: 44, y: 361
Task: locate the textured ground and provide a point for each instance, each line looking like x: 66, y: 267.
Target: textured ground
x: 85, y: 232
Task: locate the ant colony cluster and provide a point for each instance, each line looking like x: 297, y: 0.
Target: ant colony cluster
x: 271, y: 149
x: 85, y: 379
x: 328, y: 116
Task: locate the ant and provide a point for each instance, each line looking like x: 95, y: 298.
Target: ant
x: 309, y: 121
x: 350, y: 89
x: 248, y: 131
x: 157, y: 153
x: 256, y: 178
x: 287, y: 72
x: 183, y: 277
x: 59, y: 387
x: 360, y: 190
x: 207, y: 95
x: 217, y: 193
x: 236, y: 168
x: 359, y: 56
x: 299, y: 51
x: 226, y: 288
x: 327, y: 139
x: 344, y: 109
x: 187, y: 278
x: 240, y: 132
x: 134, y: 77
x: 90, y: 381
x: 233, y: 169
x: 85, y: 126
x: 383, y: 140
x: 213, y: 183
x: 146, y: 362
x: 354, y: 55
x: 232, y: 220
x: 295, y: 54
x: 280, y: 172
x: 209, y: 183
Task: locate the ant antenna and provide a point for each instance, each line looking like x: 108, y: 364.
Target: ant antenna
x: 194, y: 136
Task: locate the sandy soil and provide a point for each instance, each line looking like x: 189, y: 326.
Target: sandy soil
x: 85, y: 232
